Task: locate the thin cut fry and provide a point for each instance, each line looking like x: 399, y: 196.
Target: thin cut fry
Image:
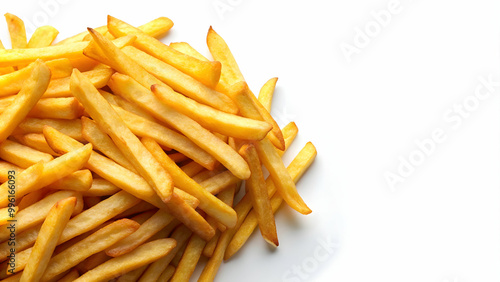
x: 25, y: 180
x: 60, y: 87
x: 17, y: 31
x: 22, y: 156
x: 266, y: 93
x: 32, y: 90
x: 36, y: 141
x: 189, y: 260
x: 185, y: 48
x: 72, y: 128
x: 101, y: 187
x: 43, y: 37
x: 47, y: 239
x: 80, y: 181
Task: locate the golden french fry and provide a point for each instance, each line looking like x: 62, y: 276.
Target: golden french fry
x: 93, y: 261
x: 24, y: 240
x: 153, y: 272
x: 36, y: 141
x: 29, y: 95
x: 219, y: 182
x: 33, y: 197
x: 36, y: 213
x: 102, y: 142
x: 101, y: 187
x: 189, y: 260
x: 250, y: 107
x: 17, y: 31
x: 133, y: 275
x: 206, y: 72
x: 118, y: 101
x: 167, y: 273
x: 7, y: 213
x: 266, y: 93
x: 72, y: 128
x: 70, y: 276
x: 94, y: 243
x: 181, y: 82
x: 213, y: 119
x: 143, y: 255
x: 166, y: 137
x: 208, y: 202
x: 289, y: 133
x: 24, y: 181
x: 109, y: 121
x: 80, y: 181
x: 141, y: 207
x: 52, y: 108
x: 192, y: 168
x: 43, y: 37
x: 60, y: 87
x: 178, y: 157
x: 257, y: 189
x: 296, y: 168
x: 22, y: 156
x: 49, y: 234
x: 209, y: 248
x: 5, y: 167
x: 185, y: 48
x: 133, y: 91
x: 5, y: 70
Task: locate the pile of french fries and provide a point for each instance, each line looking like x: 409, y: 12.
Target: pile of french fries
x: 126, y: 155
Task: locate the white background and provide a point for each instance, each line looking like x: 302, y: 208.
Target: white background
x: 443, y: 223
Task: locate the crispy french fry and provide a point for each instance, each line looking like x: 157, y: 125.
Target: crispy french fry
x: 230, y: 73
x: 187, y: 49
x: 266, y: 93
x: 94, y: 243
x: 102, y: 112
x: 5, y: 70
x: 212, y: 119
x: 181, y: 82
x: 52, y: 108
x: 250, y: 107
x: 24, y: 240
x: 167, y: 273
x: 178, y: 157
x: 80, y: 181
x: 102, y: 142
x: 289, y: 133
x: 101, y: 187
x: 166, y: 137
x: 60, y: 87
x: 47, y: 239
x: 32, y: 198
x: 189, y: 260
x: 36, y: 213
x: 208, y: 202
x: 297, y: 168
x: 219, y: 182
x: 7, y: 214
x: 192, y: 168
x: 5, y: 167
x: 43, y: 37
x: 93, y: 261
x: 141, y: 207
x: 133, y: 91
x: 17, y: 31
x: 204, y: 71
x: 209, y: 248
x: 72, y: 128
x: 36, y: 141
x: 32, y: 90
x: 143, y: 255
x: 133, y: 275
x: 257, y: 189
x: 153, y: 272
x: 25, y: 180
x: 126, y: 105
x: 22, y: 156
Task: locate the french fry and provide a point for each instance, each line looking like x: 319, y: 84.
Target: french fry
x: 36, y: 213
x: 289, y: 133
x: 219, y: 182
x: 296, y: 168
x: 70, y: 276
x: 13, y: 82
x: 266, y: 93
x: 102, y: 142
x: 80, y: 181
x: 204, y: 71
x: 7, y: 214
x: 47, y: 239
x: 208, y: 202
x: 133, y: 275
x: 22, y: 156
x: 5, y: 167
x: 126, y: 105
x: 24, y: 240
x: 25, y: 180
x: 191, y: 169
x: 209, y: 248
x: 94, y: 243
x: 32, y: 198
x: 93, y: 261
x: 17, y: 31
x: 141, y: 207
x: 167, y: 273
x: 250, y: 107
x: 52, y: 108
x: 212, y: 119
x: 101, y: 187
x: 185, y: 48
x: 102, y: 112
x: 60, y: 87
x: 5, y: 70
x: 257, y: 189
x: 181, y: 82
x: 178, y: 157
x: 155, y: 269
x: 43, y: 37
x: 143, y: 255
x: 133, y: 91
x: 36, y: 141
x: 72, y: 128
x: 166, y: 137
x: 32, y: 90
x: 189, y: 260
